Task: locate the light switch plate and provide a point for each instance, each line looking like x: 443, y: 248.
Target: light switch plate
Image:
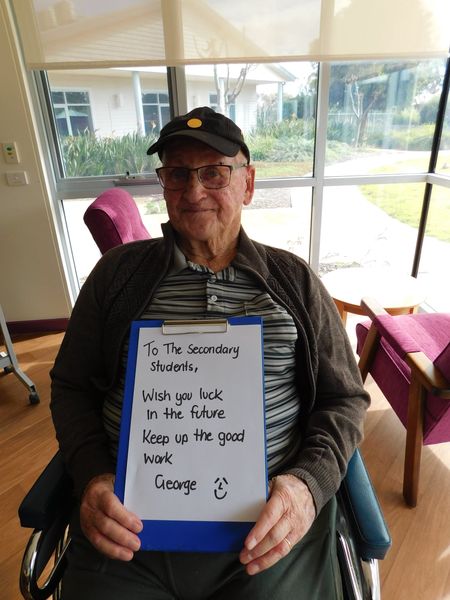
x: 17, y: 178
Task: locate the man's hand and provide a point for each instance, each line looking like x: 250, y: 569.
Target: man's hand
x: 287, y: 516
x: 106, y: 523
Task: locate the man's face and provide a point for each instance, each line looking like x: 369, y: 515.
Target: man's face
x: 204, y: 215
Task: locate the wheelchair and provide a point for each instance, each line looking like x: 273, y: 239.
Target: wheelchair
x: 362, y: 535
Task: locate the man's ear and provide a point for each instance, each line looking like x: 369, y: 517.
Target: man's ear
x: 250, y: 184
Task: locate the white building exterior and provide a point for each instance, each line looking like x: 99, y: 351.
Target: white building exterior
x: 115, y: 106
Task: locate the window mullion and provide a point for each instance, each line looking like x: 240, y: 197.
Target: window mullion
x: 176, y: 83
x: 438, y: 128
x: 68, y: 119
x: 41, y: 89
x: 319, y: 163
x: 40, y: 93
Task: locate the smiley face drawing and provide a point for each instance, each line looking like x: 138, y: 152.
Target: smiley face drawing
x: 220, y: 490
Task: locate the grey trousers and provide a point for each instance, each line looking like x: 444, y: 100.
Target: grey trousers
x: 309, y: 572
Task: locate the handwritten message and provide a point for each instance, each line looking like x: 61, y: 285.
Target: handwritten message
x: 194, y: 446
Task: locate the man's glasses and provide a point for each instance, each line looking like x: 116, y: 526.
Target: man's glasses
x: 212, y: 177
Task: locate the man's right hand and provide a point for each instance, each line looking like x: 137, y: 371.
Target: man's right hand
x: 107, y: 524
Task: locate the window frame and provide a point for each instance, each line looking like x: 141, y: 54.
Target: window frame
x: 72, y: 188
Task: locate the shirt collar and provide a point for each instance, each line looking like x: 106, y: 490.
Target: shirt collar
x: 180, y: 263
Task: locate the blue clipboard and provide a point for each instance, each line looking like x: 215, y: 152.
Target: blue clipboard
x: 231, y: 453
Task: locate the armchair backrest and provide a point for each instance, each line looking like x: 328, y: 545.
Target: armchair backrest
x: 113, y: 219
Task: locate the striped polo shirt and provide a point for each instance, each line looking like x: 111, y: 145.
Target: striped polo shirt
x: 194, y: 291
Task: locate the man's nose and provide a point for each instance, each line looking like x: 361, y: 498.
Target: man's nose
x: 194, y: 188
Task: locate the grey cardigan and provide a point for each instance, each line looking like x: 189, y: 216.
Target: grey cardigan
x: 333, y: 401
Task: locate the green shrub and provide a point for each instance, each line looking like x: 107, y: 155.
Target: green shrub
x: 339, y: 131
x: 287, y: 140
x: 428, y: 111
x: 289, y: 128
x: 86, y: 155
x: 281, y: 149
x: 260, y: 146
x: 414, y: 138
x: 407, y: 116
x: 292, y: 149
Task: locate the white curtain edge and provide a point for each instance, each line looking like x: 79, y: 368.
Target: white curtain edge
x: 386, y: 57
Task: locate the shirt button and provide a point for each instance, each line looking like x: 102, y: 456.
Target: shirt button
x: 213, y: 298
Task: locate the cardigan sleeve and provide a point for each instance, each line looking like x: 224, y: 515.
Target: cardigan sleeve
x: 333, y: 399
x: 86, y: 366
x: 76, y: 391
x: 334, y: 426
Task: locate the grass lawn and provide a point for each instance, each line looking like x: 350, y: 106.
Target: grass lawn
x: 269, y: 170
x: 403, y: 201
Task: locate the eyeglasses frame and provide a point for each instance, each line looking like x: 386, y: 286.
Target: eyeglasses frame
x: 196, y: 169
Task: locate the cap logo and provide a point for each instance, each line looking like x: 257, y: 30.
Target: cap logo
x: 194, y: 123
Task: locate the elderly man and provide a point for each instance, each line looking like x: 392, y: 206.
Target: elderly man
x: 205, y: 266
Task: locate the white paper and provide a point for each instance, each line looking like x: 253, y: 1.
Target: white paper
x: 197, y: 434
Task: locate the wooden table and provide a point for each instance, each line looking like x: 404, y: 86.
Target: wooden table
x: 396, y: 292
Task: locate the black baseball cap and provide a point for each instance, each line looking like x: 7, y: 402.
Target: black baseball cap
x: 205, y: 125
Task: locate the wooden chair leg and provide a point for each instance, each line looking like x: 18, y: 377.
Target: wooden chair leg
x: 414, y: 442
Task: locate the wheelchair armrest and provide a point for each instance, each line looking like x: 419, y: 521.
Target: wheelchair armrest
x: 369, y: 527
x: 51, y: 494
x: 46, y: 508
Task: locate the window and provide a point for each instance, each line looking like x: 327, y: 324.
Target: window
x: 381, y: 116
x: 84, y: 250
x: 120, y: 120
x: 370, y: 225
x: 343, y: 190
x: 273, y: 104
x: 72, y: 112
x: 281, y: 217
x: 156, y: 111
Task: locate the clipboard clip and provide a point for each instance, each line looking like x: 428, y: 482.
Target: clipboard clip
x: 178, y: 327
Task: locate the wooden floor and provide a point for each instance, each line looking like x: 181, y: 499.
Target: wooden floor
x: 416, y: 568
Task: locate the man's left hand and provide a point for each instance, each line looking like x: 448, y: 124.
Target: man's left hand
x: 287, y: 516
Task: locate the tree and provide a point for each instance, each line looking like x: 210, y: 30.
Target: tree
x: 360, y: 108
x: 360, y: 88
x: 393, y: 87
x: 228, y: 91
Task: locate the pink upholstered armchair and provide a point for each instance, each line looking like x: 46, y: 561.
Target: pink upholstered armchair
x: 113, y: 219
x: 408, y: 356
